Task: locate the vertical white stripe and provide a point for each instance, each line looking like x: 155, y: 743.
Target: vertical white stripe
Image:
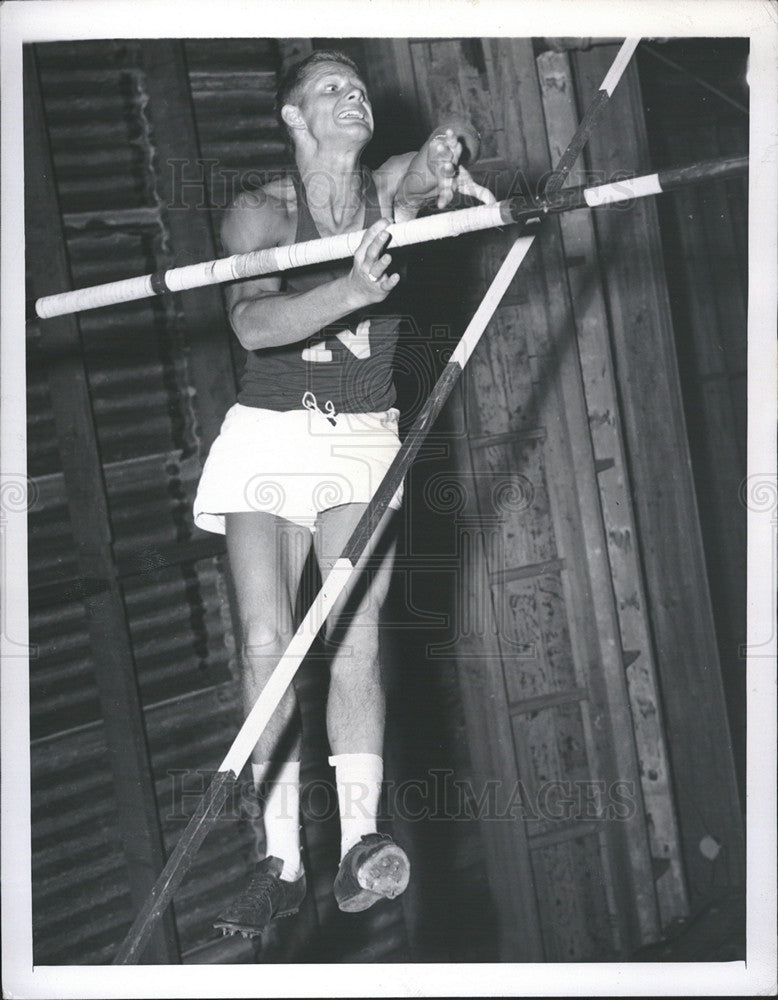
x: 491, y: 300
x: 619, y: 65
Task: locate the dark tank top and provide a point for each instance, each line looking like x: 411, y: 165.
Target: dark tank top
x: 347, y: 364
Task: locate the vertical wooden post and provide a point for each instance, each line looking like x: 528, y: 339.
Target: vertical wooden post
x: 712, y: 301
x: 665, y: 504
x: 592, y: 337
x: 543, y: 669
x: 88, y: 507
x: 187, y: 217
x: 588, y: 584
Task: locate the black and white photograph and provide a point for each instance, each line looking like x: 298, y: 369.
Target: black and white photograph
x: 388, y: 504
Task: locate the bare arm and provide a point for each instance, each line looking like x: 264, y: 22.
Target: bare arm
x: 261, y: 313
x: 413, y: 178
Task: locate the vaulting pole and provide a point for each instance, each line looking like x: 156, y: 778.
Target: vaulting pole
x: 591, y: 117
x: 466, y: 220
x: 269, y: 261
x: 340, y: 575
x: 627, y: 189
x: 338, y: 578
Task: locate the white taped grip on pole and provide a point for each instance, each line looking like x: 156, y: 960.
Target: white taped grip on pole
x: 434, y: 227
x: 210, y: 272
x: 635, y: 187
x: 272, y: 260
x: 111, y: 294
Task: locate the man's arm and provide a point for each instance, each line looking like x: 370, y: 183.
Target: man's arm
x: 413, y: 178
x: 261, y: 313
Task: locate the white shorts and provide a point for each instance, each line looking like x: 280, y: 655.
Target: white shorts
x: 294, y: 464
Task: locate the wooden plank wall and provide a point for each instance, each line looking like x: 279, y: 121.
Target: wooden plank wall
x: 541, y: 667
x: 120, y: 701
x: 138, y: 404
x: 613, y: 554
x: 607, y: 434
x: 665, y: 503
x: 705, y: 245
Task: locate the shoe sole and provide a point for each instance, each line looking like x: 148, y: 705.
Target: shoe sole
x: 251, y: 931
x: 383, y: 876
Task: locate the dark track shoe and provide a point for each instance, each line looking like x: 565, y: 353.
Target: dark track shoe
x: 265, y: 897
x: 375, y: 868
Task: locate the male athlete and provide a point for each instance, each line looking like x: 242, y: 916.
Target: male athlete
x: 300, y: 454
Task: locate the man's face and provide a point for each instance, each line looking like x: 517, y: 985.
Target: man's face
x: 334, y: 104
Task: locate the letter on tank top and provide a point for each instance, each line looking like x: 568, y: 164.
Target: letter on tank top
x: 349, y: 362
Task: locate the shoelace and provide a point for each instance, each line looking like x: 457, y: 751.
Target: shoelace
x: 309, y: 402
x: 261, y: 882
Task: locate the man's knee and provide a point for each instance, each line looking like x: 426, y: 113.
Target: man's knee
x: 263, y: 640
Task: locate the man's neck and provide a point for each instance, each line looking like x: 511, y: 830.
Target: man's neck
x: 332, y: 184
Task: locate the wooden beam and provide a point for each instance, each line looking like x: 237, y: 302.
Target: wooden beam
x: 509, y: 865
x: 138, y: 819
x: 594, y: 353
x: 388, y: 70
x: 665, y: 502
x: 577, y: 517
x: 209, y: 364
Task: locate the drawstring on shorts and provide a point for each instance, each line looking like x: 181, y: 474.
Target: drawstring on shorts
x: 309, y: 402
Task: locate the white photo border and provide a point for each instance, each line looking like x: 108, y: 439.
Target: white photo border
x: 54, y: 20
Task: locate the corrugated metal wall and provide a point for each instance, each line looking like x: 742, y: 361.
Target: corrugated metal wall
x: 101, y: 139
x: 101, y: 130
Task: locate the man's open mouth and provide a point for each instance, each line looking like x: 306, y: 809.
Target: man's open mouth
x: 352, y: 113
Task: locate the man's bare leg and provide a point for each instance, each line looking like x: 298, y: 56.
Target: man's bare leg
x: 356, y: 707
x: 267, y: 555
x: 372, y: 867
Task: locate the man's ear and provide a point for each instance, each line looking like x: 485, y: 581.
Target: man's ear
x: 292, y: 117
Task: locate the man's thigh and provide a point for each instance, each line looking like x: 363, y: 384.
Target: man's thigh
x: 267, y: 555
x: 365, y: 595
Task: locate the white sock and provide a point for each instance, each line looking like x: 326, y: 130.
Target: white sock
x: 281, y: 814
x: 358, y: 778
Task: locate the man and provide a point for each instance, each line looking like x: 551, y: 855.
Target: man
x: 301, y: 453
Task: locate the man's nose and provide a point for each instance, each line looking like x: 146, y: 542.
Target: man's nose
x: 356, y: 94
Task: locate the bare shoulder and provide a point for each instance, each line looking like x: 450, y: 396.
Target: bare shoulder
x: 260, y: 218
